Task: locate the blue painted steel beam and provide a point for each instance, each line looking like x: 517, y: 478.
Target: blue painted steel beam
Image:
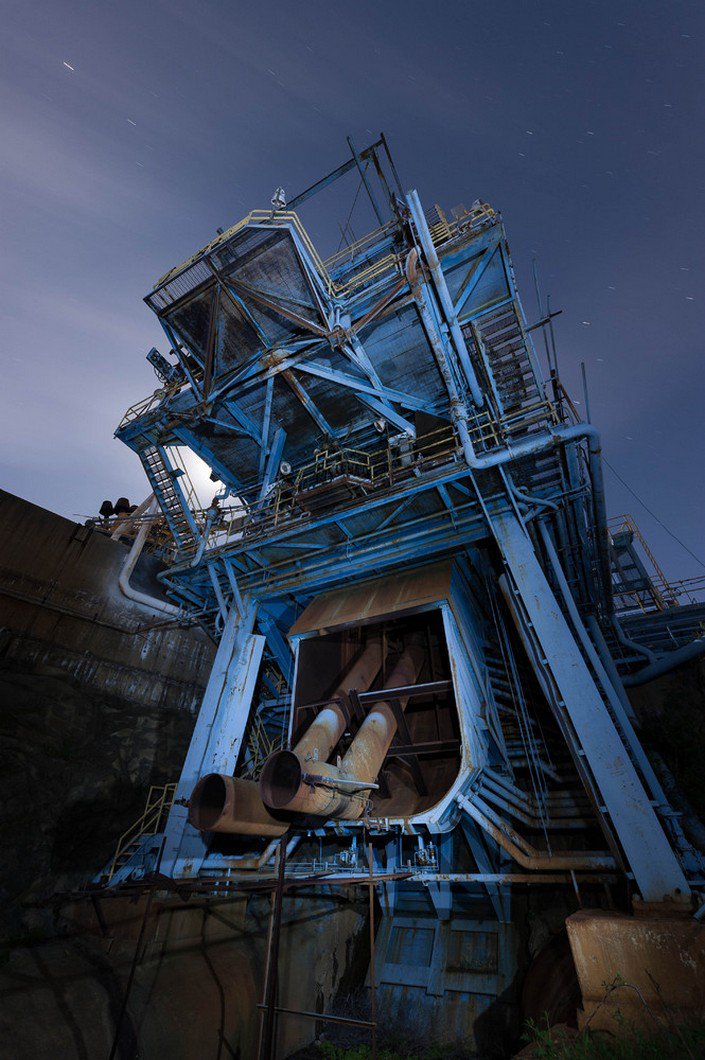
x: 655, y: 866
x: 271, y: 471
x: 314, y: 412
x: 350, y: 382
x: 217, y: 737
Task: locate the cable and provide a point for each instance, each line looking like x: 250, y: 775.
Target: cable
x: 347, y: 223
x: 653, y: 514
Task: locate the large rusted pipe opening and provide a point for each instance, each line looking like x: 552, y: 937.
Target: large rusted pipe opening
x: 232, y: 805
x: 208, y: 802
x: 229, y: 804
x: 280, y: 779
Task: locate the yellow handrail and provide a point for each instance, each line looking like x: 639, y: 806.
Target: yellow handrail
x: 367, y: 469
x: 260, y: 746
x: 663, y: 594
x: 442, y: 230
x: 145, y: 404
x: 159, y: 800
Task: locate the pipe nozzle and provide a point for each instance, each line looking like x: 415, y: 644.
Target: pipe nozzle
x: 230, y: 804
x: 280, y: 779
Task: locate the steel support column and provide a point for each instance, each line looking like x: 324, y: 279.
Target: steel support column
x: 217, y: 737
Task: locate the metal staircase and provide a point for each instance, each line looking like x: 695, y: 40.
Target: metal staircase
x: 138, y: 847
x: 508, y: 359
x: 585, y: 716
x: 664, y: 631
x: 165, y: 486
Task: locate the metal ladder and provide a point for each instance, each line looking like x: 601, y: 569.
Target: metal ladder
x: 136, y: 839
x: 510, y: 364
x: 170, y: 497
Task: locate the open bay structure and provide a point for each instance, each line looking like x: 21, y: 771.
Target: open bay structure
x: 425, y: 625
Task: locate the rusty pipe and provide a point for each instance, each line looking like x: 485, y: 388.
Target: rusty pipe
x: 230, y: 804
x: 258, y: 861
x: 227, y: 804
x: 522, y: 851
x: 324, y: 732
x: 369, y: 748
x: 341, y: 791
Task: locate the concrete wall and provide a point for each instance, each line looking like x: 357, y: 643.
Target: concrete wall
x: 60, y: 605
x: 94, y: 706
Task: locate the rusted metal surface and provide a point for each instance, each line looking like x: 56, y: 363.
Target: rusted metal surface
x: 523, y: 852
x: 324, y: 732
x: 333, y: 791
x: 357, y: 604
x: 637, y: 972
x: 369, y: 748
x: 232, y: 805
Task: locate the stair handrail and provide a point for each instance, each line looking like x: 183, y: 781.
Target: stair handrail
x: 663, y: 593
x: 159, y: 800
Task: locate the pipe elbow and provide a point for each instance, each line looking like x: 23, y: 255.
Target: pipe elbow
x: 128, y: 567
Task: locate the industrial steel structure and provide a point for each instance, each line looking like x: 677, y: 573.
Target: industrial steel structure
x: 425, y: 622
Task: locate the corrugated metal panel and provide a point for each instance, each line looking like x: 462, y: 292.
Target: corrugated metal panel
x: 435, y: 979
x: 447, y: 1020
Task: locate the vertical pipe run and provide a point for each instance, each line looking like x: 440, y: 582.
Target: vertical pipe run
x: 266, y: 1042
x: 459, y: 411
x: 131, y: 562
x: 373, y: 987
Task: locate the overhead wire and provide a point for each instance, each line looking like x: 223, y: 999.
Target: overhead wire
x: 347, y: 223
x: 652, y: 513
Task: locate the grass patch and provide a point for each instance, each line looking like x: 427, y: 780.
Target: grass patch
x: 363, y: 1052
x: 663, y: 1043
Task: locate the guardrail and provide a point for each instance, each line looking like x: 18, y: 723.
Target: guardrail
x: 159, y: 801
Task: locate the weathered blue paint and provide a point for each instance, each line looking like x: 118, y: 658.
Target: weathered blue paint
x: 343, y: 371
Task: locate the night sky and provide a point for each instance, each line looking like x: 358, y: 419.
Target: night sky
x: 130, y: 131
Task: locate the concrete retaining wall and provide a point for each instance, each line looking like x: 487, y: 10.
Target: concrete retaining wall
x: 60, y: 606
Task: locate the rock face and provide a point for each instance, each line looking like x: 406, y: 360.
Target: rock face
x: 670, y: 710
x: 98, y: 697
x: 198, y: 981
